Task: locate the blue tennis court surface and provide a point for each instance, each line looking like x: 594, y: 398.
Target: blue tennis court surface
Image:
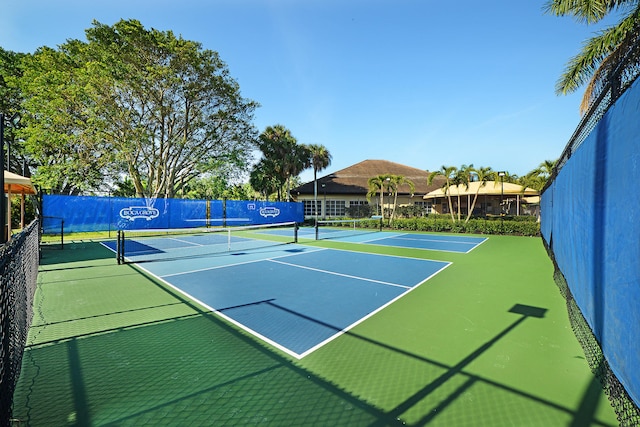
x: 436, y: 242
x: 295, y: 297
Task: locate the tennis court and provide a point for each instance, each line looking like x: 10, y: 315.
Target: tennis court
x: 371, y: 236
x: 397, y: 336
x: 294, y: 297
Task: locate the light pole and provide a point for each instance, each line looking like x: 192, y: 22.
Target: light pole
x: 388, y: 182
x: 501, y: 174
x: 324, y: 208
x: 3, y: 208
x: 3, y: 203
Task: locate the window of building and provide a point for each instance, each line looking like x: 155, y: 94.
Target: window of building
x: 425, y: 205
x: 336, y: 208
x: 309, y: 210
x: 358, y: 209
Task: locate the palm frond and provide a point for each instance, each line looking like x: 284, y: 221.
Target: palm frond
x: 582, y: 67
x: 622, y: 37
x: 586, y: 11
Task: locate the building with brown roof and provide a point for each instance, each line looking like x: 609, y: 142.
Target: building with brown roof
x: 347, y: 188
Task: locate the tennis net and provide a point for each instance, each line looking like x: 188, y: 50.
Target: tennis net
x: 339, y: 228
x: 163, y: 244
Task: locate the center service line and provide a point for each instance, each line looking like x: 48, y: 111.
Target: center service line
x: 340, y: 274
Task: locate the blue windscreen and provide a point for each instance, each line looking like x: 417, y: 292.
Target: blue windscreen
x: 91, y: 213
x: 591, y: 222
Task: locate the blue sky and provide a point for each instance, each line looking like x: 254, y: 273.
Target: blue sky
x: 424, y: 83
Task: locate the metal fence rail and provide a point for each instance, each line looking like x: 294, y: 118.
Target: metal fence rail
x: 19, y: 261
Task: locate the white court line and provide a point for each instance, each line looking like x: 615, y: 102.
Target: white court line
x: 434, y: 240
x: 356, y: 323
x: 241, y: 263
x: 340, y: 274
x: 275, y: 344
x: 393, y: 236
x: 400, y: 237
x: 185, y: 241
x: 224, y: 316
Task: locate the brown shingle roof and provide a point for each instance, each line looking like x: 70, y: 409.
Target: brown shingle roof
x: 353, y: 180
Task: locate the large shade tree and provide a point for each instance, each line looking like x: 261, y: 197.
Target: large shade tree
x: 603, y: 52
x: 146, y: 103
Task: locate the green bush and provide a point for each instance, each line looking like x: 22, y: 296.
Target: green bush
x: 518, y: 226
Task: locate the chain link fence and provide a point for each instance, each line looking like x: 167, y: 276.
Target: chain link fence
x: 19, y: 261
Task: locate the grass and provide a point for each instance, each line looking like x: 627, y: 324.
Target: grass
x: 111, y: 346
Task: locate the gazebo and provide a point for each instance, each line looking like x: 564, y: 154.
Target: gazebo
x: 503, y: 193
x: 16, y: 184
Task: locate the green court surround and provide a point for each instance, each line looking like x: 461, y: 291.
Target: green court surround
x: 486, y: 342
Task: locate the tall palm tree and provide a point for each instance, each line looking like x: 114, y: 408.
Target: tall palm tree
x: 297, y: 160
x: 481, y: 175
x: 463, y: 177
x: 377, y: 184
x: 320, y: 159
x: 601, y: 53
x: 397, y: 181
x: 288, y: 157
x: 448, y: 172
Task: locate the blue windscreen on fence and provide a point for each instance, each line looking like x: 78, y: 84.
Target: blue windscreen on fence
x: 91, y: 213
x: 591, y: 222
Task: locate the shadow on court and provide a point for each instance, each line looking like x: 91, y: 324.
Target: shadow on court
x: 149, y: 356
x: 188, y: 370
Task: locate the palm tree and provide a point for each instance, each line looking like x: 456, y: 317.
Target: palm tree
x: 377, y: 184
x: 463, y: 176
x: 263, y: 178
x: 546, y: 168
x: 481, y: 175
x: 501, y: 179
x: 532, y: 180
x: 297, y: 160
x: 395, y: 182
x: 601, y: 53
x: 448, y: 172
x: 320, y: 159
x: 288, y: 158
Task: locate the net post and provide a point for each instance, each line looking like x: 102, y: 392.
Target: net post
x: 62, y: 234
x: 316, y: 230
x: 118, y: 247
x: 380, y: 224
x: 295, y: 233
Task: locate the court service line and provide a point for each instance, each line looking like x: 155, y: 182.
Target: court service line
x: 435, y: 240
x: 393, y: 236
x: 362, y: 319
x: 224, y: 316
x: 240, y: 263
x: 339, y: 274
x: 186, y: 241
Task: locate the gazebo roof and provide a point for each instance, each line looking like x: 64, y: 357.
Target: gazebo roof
x: 17, y: 184
x: 493, y: 188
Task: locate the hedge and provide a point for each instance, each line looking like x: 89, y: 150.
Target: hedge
x: 518, y: 226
